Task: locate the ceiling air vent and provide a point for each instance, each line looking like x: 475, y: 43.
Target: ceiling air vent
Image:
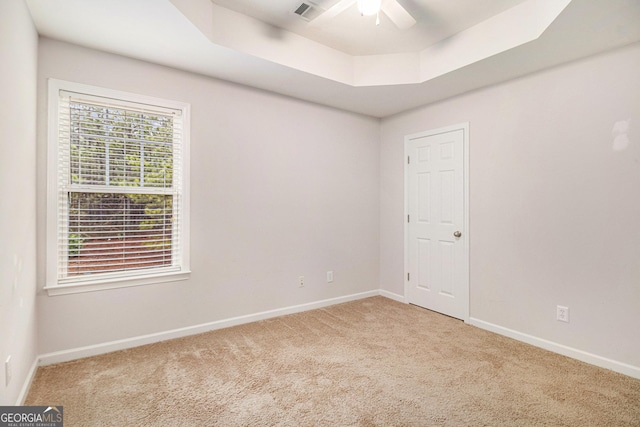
x: 308, y: 11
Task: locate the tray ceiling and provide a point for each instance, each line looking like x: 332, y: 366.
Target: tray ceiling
x: 350, y: 63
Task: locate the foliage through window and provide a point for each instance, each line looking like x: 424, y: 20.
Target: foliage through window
x: 120, y: 186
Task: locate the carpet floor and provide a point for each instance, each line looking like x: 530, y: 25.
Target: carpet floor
x: 371, y: 362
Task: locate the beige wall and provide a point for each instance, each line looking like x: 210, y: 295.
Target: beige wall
x: 18, y: 56
x: 554, y: 201
x: 280, y: 188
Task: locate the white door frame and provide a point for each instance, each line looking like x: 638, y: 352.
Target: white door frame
x: 465, y: 274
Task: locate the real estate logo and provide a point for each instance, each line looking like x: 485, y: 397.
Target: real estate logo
x: 31, y: 416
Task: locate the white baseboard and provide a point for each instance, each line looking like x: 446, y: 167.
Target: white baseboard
x: 27, y: 382
x: 593, y: 359
x: 94, y: 350
x: 393, y: 296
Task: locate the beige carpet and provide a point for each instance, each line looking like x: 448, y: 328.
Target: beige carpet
x: 373, y: 362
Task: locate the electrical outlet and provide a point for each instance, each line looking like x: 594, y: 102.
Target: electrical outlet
x: 7, y: 371
x: 562, y: 313
x: 329, y: 276
x: 301, y: 281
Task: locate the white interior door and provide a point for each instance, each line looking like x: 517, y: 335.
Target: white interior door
x: 437, y: 216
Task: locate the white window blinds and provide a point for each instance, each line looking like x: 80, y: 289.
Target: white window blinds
x: 119, y: 188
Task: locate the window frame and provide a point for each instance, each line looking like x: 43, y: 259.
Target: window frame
x: 121, y: 279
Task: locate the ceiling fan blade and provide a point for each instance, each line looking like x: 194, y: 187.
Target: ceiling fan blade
x: 398, y: 14
x: 334, y: 10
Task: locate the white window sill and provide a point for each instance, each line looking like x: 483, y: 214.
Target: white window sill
x: 115, y: 283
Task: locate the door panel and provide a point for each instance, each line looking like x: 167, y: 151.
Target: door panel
x: 424, y: 251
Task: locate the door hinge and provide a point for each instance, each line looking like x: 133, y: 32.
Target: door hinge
x: 408, y: 277
x: 408, y: 218
x: 408, y: 160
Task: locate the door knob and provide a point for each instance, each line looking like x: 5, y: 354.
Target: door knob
x: 457, y: 234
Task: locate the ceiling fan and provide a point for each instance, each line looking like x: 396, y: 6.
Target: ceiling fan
x: 394, y: 10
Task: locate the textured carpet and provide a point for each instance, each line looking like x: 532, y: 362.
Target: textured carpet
x: 372, y: 362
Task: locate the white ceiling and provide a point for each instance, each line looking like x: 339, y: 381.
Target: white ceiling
x: 350, y: 63
x: 354, y: 34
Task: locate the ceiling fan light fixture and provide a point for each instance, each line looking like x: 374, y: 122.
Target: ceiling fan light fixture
x: 369, y: 7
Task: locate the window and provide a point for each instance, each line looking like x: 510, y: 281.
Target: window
x: 118, y: 189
